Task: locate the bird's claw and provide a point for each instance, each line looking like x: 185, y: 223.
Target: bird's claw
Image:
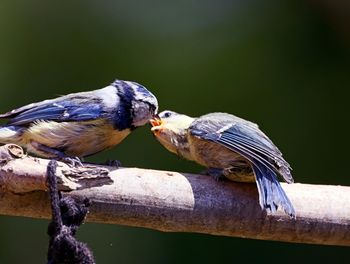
x: 72, y: 161
x: 217, y: 174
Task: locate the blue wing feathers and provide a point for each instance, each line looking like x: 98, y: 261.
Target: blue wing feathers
x: 253, y: 135
x: 246, y: 152
x: 231, y: 141
x: 62, y: 109
x: 248, y: 139
x: 244, y: 147
x: 265, y: 158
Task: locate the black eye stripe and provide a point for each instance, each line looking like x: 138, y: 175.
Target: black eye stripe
x: 124, y: 112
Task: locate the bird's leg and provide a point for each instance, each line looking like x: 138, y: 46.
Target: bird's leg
x: 216, y: 173
x: 239, y: 174
x: 72, y: 161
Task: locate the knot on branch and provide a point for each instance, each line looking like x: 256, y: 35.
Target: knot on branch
x: 10, y: 152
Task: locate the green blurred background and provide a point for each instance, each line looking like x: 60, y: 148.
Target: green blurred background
x: 282, y: 64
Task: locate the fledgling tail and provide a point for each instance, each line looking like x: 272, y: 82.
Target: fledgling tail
x: 10, y: 134
x: 271, y: 194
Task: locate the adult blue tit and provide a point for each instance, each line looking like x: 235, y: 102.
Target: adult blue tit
x: 228, y: 146
x: 80, y: 124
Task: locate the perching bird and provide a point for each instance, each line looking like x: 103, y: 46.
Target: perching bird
x: 80, y: 124
x: 228, y: 146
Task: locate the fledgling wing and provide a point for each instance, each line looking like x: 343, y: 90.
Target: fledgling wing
x: 244, y: 138
x: 247, y: 139
x: 74, y: 107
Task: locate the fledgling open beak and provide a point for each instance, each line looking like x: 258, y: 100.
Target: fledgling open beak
x: 156, y: 123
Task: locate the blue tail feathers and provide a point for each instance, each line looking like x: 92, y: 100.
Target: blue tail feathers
x: 271, y: 194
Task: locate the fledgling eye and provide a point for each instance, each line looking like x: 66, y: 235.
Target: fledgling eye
x: 167, y: 114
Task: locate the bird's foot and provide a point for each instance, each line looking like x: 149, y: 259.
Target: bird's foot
x: 113, y: 163
x: 72, y: 161
x: 217, y: 174
x: 59, y: 155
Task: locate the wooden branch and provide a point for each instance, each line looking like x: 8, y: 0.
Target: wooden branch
x: 176, y: 202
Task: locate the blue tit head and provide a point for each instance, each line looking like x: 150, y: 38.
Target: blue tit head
x: 135, y: 99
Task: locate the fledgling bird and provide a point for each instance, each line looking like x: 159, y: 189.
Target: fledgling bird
x: 80, y: 124
x: 228, y: 146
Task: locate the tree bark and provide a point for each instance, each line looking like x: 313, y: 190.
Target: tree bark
x: 176, y: 202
